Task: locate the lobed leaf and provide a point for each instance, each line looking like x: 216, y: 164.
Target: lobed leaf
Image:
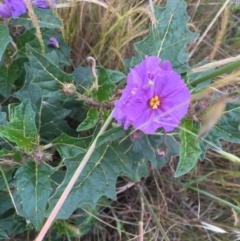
x: 21, y: 129
x: 190, y: 150
x: 34, y: 187
x: 48, y: 77
x: 168, y: 39
x: 99, y: 176
x: 68, y: 146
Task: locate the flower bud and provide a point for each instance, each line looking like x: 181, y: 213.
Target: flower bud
x: 69, y: 89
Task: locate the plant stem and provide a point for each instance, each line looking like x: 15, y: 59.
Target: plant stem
x: 72, y: 182
x: 216, y: 73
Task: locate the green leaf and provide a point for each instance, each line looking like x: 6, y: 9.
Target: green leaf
x: 47, y: 76
x: 21, y: 129
x: 46, y: 19
x: 68, y: 229
x: 109, y: 161
x: 68, y: 146
x: 63, y: 52
x: 83, y: 76
x: 90, y: 121
x: 105, y: 85
x: 32, y: 92
x: 5, y: 39
x: 7, y: 77
x: 53, y: 120
x: 3, y: 116
x: 23, y: 119
x: 115, y: 76
x: 34, y: 187
x: 6, y: 203
x: 50, y: 113
x: 157, y: 149
x: 168, y: 39
x: 190, y: 150
x: 110, y: 135
x: 13, y: 224
x: 3, y: 234
x: 16, y: 136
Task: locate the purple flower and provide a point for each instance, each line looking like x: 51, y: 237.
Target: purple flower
x: 5, y: 12
x: 17, y: 7
x: 155, y: 96
x: 53, y: 42
x: 44, y: 3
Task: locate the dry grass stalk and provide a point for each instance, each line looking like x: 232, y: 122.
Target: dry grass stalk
x: 35, y: 24
x: 214, y: 64
x: 105, y: 33
x: 220, y: 34
x: 223, y: 82
x: 208, y: 28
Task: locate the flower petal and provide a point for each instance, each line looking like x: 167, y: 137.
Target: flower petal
x: 147, y: 80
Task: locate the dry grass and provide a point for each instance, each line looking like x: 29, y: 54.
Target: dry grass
x: 105, y: 32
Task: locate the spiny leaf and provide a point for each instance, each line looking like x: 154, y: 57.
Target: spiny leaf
x: 47, y: 76
x: 21, y: 129
x: 68, y: 146
x: 157, y: 148
x: 190, y: 150
x: 99, y: 175
x: 105, y: 86
x: 168, y: 39
x: 110, y: 135
x: 34, y: 187
x: 53, y: 120
x: 5, y: 39
x: 90, y: 121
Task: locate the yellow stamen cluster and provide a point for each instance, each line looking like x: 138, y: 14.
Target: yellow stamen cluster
x: 154, y: 102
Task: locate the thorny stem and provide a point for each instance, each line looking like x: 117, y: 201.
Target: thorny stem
x: 92, y: 102
x: 72, y: 182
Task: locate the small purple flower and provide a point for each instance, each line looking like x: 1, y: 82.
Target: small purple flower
x: 155, y: 96
x: 44, y: 3
x: 5, y: 12
x: 53, y: 42
x: 17, y: 7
